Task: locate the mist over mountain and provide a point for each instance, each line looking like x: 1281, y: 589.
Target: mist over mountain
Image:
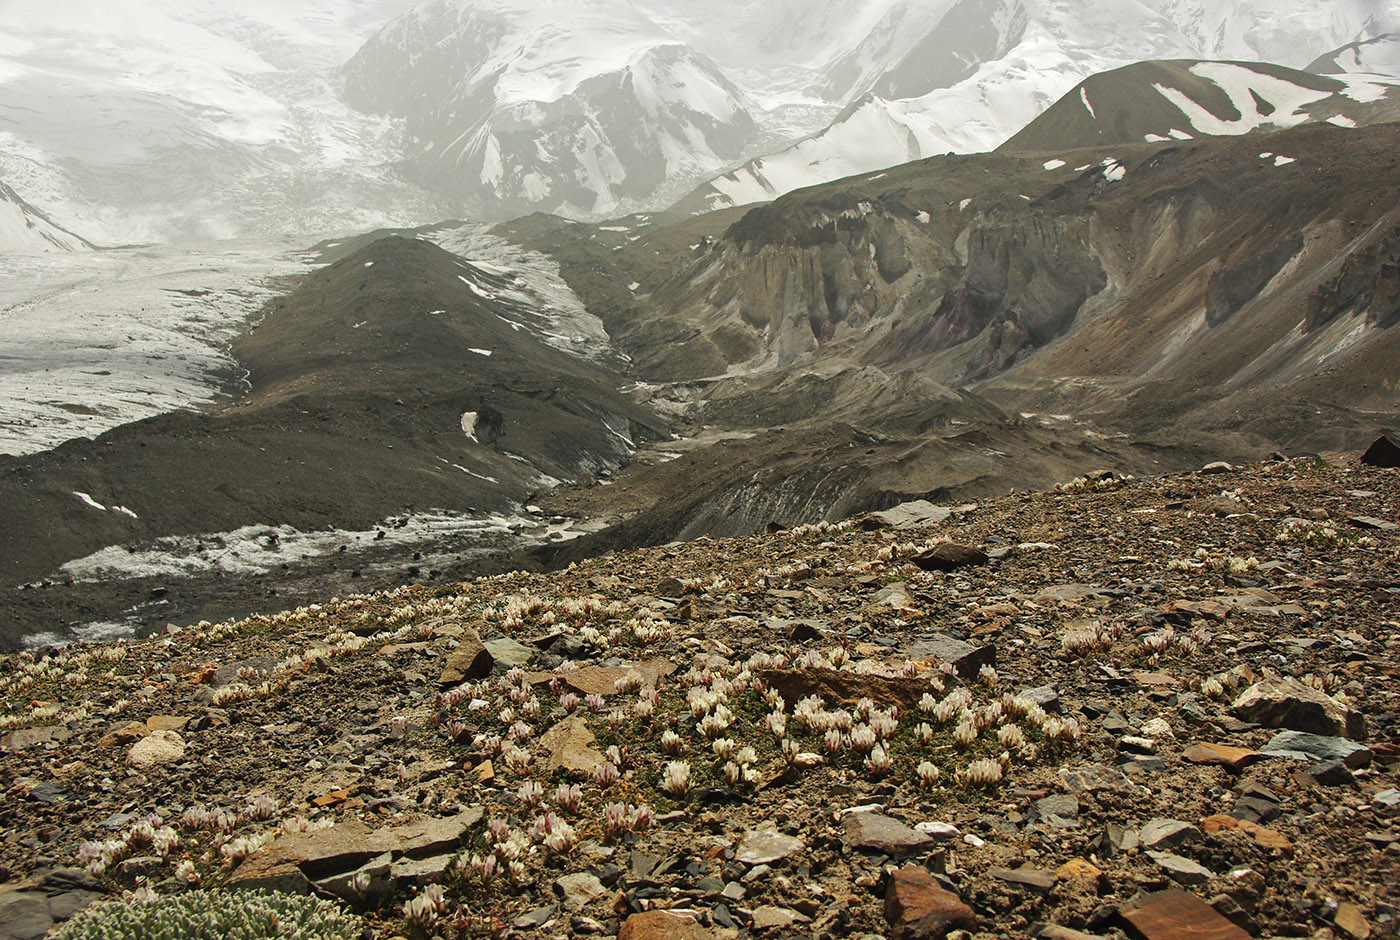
x: 142, y: 122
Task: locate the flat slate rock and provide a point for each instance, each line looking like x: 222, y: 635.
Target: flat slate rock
x: 570, y: 746
x: 879, y: 833
x: 918, y: 907
x: 1036, y: 878
x: 662, y: 925
x: 1182, y: 869
x: 950, y: 556
x: 1177, y: 915
x: 602, y: 680
x: 762, y: 847
x: 967, y: 659
x: 913, y: 514
x: 1299, y: 745
x: 845, y: 688
x: 1089, y: 777
x: 508, y: 653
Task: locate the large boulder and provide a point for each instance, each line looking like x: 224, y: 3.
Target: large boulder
x: 1284, y: 702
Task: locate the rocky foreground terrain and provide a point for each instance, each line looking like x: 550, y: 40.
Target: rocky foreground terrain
x: 1156, y: 708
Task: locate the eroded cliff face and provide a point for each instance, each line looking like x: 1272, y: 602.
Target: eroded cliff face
x: 1260, y: 267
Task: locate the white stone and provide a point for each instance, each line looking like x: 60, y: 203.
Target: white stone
x: 156, y: 749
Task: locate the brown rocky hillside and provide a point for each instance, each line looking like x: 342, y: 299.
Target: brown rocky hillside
x: 1160, y: 708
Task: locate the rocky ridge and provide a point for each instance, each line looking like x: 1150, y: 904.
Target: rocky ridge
x: 1121, y: 708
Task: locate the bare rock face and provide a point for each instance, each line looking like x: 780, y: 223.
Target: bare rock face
x: 156, y: 750
x: 916, y: 908
x: 1288, y: 703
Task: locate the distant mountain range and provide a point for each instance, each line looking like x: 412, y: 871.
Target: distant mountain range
x: 239, y: 118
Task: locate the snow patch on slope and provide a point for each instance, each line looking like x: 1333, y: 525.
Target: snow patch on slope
x: 1245, y: 88
x: 530, y: 284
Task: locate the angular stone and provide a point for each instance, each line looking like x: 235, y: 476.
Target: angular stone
x: 967, y: 659
x: 1350, y: 921
x: 1078, y: 868
x: 1177, y: 915
x: 1163, y: 834
x: 878, y: 833
x: 1383, y: 452
x: 1182, y: 869
x: 569, y: 744
x: 24, y: 915
x: 509, y: 653
x: 845, y: 688
x: 602, y: 680
x: 913, y: 514
x: 950, y: 556
x: 1332, y: 773
x: 1287, y: 703
x: 1089, y: 777
x: 579, y: 890
x: 470, y: 660
x: 365, y: 887
x: 1373, y: 523
x: 763, y: 846
x: 662, y: 925
x: 1036, y: 878
x: 769, y: 916
x: 1058, y: 811
x: 436, y: 836
x: 916, y: 907
x: 156, y: 749
x: 166, y: 723
x: 535, y: 918
x: 1233, y: 759
x: 1268, y: 838
x: 1299, y: 745
x: 1046, y: 696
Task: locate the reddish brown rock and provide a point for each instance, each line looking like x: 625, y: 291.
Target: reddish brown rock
x: 662, y: 925
x: 916, y: 908
x: 1233, y: 759
x: 1178, y: 915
